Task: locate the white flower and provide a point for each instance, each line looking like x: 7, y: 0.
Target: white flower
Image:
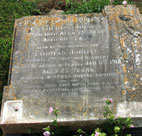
x: 46, y: 133
x: 124, y: 3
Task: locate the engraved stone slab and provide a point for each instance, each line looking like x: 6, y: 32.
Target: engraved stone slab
x: 71, y: 62
x: 65, y: 62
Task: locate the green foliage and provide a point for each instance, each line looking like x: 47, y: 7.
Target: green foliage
x: 99, y: 131
x: 80, y: 132
x: 90, y: 6
x: 54, y: 129
x: 85, y: 6
x: 114, y: 125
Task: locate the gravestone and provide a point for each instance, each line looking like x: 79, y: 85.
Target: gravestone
x: 71, y: 62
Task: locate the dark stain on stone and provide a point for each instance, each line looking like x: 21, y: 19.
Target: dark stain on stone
x: 123, y: 18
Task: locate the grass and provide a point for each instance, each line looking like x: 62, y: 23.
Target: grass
x: 90, y: 6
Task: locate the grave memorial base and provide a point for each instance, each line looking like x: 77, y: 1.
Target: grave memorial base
x: 72, y: 62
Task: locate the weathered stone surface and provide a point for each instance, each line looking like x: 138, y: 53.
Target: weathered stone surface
x: 129, y: 34
x: 72, y: 62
